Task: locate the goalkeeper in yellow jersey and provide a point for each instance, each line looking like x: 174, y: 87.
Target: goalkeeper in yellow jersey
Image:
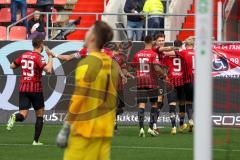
x: 88, y: 130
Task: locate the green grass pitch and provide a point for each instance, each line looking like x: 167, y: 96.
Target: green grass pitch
x: 16, y: 145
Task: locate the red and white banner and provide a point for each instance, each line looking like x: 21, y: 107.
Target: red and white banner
x: 226, y: 60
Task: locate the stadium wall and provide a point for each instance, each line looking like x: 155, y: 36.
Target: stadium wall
x: 58, y: 88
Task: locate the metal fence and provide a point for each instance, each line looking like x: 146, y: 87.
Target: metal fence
x: 97, y: 15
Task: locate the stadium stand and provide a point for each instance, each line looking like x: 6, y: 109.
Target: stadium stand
x: 60, y: 2
x: 190, y: 22
x: 33, y: 2
x: 87, y: 20
x: 3, y: 31
x: 5, y: 1
x: 5, y: 14
x: 18, y: 33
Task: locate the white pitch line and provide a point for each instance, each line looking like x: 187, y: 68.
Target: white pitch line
x: 131, y: 147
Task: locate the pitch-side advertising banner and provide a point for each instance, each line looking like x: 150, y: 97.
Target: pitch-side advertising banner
x: 58, y: 86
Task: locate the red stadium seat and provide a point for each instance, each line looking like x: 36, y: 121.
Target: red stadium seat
x: 31, y: 1
x: 5, y: 1
x: 18, y: 33
x: 3, y: 33
x: 60, y: 2
x: 5, y: 14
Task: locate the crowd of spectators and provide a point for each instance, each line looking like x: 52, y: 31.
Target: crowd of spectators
x: 154, y: 8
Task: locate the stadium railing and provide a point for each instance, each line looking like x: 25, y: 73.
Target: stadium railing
x: 146, y: 15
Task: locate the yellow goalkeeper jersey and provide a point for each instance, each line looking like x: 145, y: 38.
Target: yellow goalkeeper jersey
x: 93, y: 103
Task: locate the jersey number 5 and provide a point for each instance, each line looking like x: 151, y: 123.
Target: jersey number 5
x: 28, y: 65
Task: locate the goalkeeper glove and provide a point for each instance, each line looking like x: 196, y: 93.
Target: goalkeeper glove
x: 62, y: 137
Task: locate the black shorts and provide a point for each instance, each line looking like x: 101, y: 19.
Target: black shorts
x: 144, y: 93
x: 176, y: 95
x: 30, y: 99
x: 189, y: 91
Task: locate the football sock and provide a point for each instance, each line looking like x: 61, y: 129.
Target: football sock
x: 153, y: 117
x: 172, y: 112
x: 38, y: 128
x: 160, y: 106
x: 141, y: 117
x: 181, y: 114
x: 19, y: 117
x: 189, y: 110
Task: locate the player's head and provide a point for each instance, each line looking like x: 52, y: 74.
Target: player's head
x: 160, y: 40
x: 99, y: 34
x: 111, y: 45
x: 38, y: 44
x: 148, y: 41
x: 178, y: 43
x: 189, y: 43
x: 125, y: 46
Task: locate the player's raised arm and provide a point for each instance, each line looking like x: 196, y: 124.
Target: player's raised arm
x: 65, y: 57
x: 49, y: 65
x: 169, y: 53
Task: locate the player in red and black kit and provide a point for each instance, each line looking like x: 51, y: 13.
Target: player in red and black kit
x: 32, y: 64
x: 188, y: 56
x: 159, y: 43
x: 147, y: 67
x: 175, y: 77
x: 112, y: 48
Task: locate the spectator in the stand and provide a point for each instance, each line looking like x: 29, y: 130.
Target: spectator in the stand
x: 36, y: 26
x: 155, y: 9
x: 15, y: 4
x: 46, y: 6
x: 134, y: 21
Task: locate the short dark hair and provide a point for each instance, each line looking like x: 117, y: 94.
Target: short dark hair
x: 148, y: 39
x: 124, y: 45
x: 160, y: 35
x: 177, y: 43
x: 111, y: 45
x: 37, y: 42
x: 103, y: 33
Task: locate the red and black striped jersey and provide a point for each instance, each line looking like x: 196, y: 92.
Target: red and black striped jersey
x: 121, y: 60
x: 189, y: 58
x: 144, y: 62
x: 176, y: 68
x: 32, y: 64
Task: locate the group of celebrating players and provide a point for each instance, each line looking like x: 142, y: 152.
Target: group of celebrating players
x: 155, y: 63
x: 148, y: 67
x: 114, y: 61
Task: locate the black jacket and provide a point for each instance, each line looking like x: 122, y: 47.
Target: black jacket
x: 45, y: 2
x: 32, y: 22
x: 136, y: 5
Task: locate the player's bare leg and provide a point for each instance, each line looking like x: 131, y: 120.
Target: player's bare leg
x: 189, y: 111
x: 38, y: 126
x: 172, y: 111
x: 182, y: 110
x: 153, y: 119
x: 141, y: 111
x: 17, y: 117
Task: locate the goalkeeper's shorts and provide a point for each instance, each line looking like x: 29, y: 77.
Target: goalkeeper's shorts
x: 80, y: 148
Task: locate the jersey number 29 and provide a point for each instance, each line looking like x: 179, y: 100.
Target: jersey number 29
x: 28, y: 65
